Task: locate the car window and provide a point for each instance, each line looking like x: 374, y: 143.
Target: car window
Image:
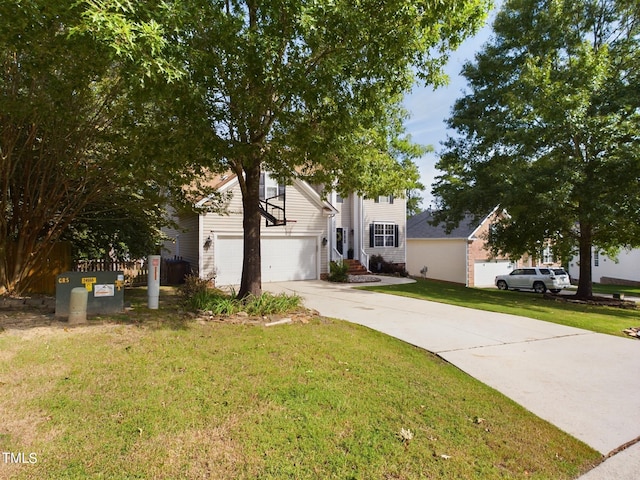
x: 516, y: 272
x: 529, y: 271
x: 559, y: 271
x: 545, y: 271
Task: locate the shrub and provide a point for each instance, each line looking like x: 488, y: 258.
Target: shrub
x: 194, y: 290
x: 338, y: 272
x: 377, y: 264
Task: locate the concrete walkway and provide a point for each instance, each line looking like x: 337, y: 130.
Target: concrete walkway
x: 583, y: 382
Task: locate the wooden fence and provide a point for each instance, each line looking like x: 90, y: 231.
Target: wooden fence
x: 43, y: 279
x: 135, y: 272
x: 172, y: 271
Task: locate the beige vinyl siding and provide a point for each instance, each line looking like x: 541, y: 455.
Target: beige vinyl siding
x: 446, y: 259
x: 385, y: 212
x: 307, y: 213
x: 183, y: 242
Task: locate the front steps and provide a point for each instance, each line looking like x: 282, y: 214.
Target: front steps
x: 355, y: 267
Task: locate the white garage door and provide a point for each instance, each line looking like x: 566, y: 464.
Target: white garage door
x: 283, y: 259
x: 484, y: 273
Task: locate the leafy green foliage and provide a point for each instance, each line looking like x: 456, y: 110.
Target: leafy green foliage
x: 548, y: 131
x: 338, y: 272
x: 73, y: 121
x: 302, y: 89
x: 197, y: 295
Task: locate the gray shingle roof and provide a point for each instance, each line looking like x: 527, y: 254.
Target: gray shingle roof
x: 419, y: 226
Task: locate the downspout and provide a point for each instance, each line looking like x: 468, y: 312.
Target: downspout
x: 200, y: 246
x: 405, y: 233
x: 466, y: 263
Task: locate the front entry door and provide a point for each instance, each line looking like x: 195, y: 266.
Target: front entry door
x: 339, y: 240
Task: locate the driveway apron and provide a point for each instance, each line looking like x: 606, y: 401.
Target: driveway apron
x: 583, y: 382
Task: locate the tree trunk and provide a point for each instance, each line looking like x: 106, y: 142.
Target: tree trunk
x: 251, y: 283
x: 585, y: 287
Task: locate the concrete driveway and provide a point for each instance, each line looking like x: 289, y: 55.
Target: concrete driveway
x: 583, y: 382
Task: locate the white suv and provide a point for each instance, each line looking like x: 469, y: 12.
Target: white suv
x: 539, y: 279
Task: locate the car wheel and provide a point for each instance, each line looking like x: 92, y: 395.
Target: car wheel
x: 555, y: 290
x: 502, y: 285
x: 539, y: 287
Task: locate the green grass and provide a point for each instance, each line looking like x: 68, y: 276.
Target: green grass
x: 527, y: 304
x: 599, y: 288
x: 326, y: 399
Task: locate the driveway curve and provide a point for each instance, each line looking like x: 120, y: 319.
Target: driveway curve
x: 583, y: 382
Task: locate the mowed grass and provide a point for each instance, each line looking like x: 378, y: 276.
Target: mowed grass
x: 148, y: 398
x: 601, y: 288
x: 600, y: 319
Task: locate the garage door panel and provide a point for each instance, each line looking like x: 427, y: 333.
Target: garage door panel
x: 228, y: 260
x: 283, y: 259
x: 484, y: 273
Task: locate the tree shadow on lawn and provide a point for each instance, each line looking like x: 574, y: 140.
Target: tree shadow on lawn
x: 32, y: 314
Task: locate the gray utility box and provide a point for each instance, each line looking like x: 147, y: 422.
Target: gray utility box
x: 105, y: 289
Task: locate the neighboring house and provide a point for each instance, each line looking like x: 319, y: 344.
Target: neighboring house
x: 459, y: 256
x: 305, y: 232
x: 625, y: 269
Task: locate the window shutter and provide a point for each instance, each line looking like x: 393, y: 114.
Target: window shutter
x: 391, y: 200
x: 371, y: 240
x: 396, y: 236
x: 281, y: 189
x: 262, y: 192
x: 376, y: 199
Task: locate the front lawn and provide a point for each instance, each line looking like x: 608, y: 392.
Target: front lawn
x: 527, y: 304
x: 601, y: 288
x: 153, y: 396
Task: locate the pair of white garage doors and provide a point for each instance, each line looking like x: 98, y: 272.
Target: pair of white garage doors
x: 283, y: 259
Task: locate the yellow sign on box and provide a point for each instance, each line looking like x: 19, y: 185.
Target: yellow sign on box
x: 88, y: 282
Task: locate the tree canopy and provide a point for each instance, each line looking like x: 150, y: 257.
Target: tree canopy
x: 71, y: 112
x: 306, y: 88
x: 549, y: 130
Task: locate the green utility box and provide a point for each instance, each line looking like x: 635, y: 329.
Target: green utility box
x: 106, y: 291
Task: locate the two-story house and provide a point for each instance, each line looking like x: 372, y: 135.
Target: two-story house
x: 303, y: 231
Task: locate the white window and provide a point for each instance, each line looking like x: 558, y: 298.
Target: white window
x: 269, y: 187
x: 384, y: 234
x: 384, y: 199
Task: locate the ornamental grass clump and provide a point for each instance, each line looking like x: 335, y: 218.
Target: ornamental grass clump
x: 197, y: 295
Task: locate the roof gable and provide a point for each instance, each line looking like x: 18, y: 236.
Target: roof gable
x: 225, y: 182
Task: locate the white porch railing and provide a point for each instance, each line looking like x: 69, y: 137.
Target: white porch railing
x: 364, y: 258
x: 336, y: 256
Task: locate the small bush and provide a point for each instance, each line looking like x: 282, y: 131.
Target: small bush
x: 338, y: 272
x: 377, y: 264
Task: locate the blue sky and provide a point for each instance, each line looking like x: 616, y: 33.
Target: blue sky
x: 429, y: 108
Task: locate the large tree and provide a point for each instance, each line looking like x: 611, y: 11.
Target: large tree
x: 550, y: 130
x: 309, y: 89
x: 71, y: 112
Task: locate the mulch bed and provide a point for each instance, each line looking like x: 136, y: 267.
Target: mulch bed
x: 595, y: 300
